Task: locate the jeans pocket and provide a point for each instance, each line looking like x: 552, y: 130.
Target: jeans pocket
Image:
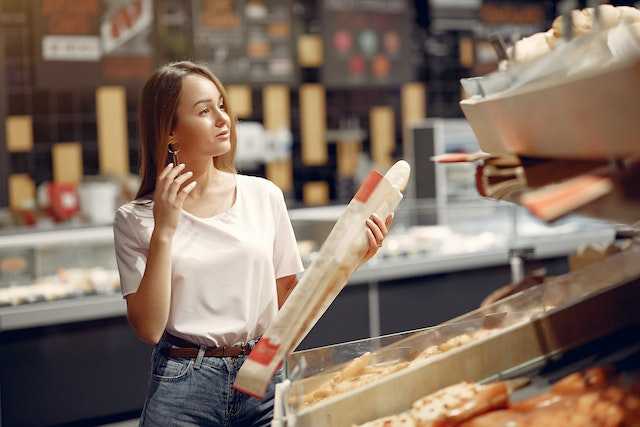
x: 170, y: 369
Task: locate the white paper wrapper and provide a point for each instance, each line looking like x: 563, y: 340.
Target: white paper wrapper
x: 324, y: 279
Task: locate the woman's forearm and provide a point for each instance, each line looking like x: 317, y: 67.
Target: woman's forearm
x: 148, y: 308
x: 284, y: 287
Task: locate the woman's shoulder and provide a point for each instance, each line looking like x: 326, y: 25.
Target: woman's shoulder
x: 262, y: 192
x: 141, y: 208
x: 262, y: 185
x: 134, y: 220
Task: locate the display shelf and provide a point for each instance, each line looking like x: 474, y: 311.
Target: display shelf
x: 64, y: 311
x: 58, y: 235
x: 560, y: 315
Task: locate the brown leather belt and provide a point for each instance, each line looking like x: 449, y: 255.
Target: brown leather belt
x: 184, y: 349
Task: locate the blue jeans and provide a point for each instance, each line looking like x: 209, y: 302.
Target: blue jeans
x: 188, y: 392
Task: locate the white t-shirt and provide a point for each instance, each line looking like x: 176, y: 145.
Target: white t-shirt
x: 223, y: 268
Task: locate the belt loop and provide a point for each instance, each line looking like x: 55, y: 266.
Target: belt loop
x: 200, y: 356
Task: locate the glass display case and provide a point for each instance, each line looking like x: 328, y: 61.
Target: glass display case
x: 325, y: 373
x: 47, y: 265
x: 426, y: 230
x: 324, y: 376
x: 57, y: 275
x: 329, y: 372
x: 77, y: 264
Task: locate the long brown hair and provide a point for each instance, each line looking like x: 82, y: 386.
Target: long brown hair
x: 157, y: 118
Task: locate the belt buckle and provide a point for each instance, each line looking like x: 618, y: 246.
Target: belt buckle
x: 246, y: 348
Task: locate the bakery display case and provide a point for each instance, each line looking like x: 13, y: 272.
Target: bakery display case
x: 63, y: 328
x: 382, y: 376
x: 319, y: 375
x: 56, y: 275
x: 27, y: 256
x: 427, y: 230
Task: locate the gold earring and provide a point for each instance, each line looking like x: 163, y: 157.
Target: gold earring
x: 173, y: 152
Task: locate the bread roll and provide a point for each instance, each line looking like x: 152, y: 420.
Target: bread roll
x: 609, y: 16
x: 355, y: 367
x: 581, y: 24
x: 530, y: 48
x: 624, y: 41
x: 628, y: 14
x: 354, y: 375
x: 551, y: 39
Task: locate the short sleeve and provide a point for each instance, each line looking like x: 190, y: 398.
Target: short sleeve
x: 131, y: 256
x: 286, y: 258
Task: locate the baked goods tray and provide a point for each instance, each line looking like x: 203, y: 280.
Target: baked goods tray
x: 593, y: 116
x: 618, y: 352
x: 577, y: 308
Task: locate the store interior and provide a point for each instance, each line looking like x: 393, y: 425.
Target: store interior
x: 513, y: 258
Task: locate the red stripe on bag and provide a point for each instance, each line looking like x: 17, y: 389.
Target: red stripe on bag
x: 368, y: 186
x: 264, y: 352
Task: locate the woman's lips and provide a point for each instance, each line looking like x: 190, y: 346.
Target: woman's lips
x: 223, y: 134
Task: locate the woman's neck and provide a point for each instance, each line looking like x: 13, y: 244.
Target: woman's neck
x: 205, y: 173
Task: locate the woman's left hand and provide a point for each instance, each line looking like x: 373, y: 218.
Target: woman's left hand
x: 376, y: 231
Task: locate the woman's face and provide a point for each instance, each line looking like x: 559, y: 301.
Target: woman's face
x: 203, y: 127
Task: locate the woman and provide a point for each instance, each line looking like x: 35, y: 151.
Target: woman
x: 206, y: 256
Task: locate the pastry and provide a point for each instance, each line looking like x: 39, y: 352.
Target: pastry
x: 458, y: 403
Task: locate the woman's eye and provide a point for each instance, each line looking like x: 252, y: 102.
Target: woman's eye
x: 221, y: 106
x: 205, y: 111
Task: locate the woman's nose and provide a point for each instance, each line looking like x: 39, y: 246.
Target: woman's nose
x: 219, y: 119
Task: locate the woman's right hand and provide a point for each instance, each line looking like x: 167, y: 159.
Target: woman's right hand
x: 168, y: 198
